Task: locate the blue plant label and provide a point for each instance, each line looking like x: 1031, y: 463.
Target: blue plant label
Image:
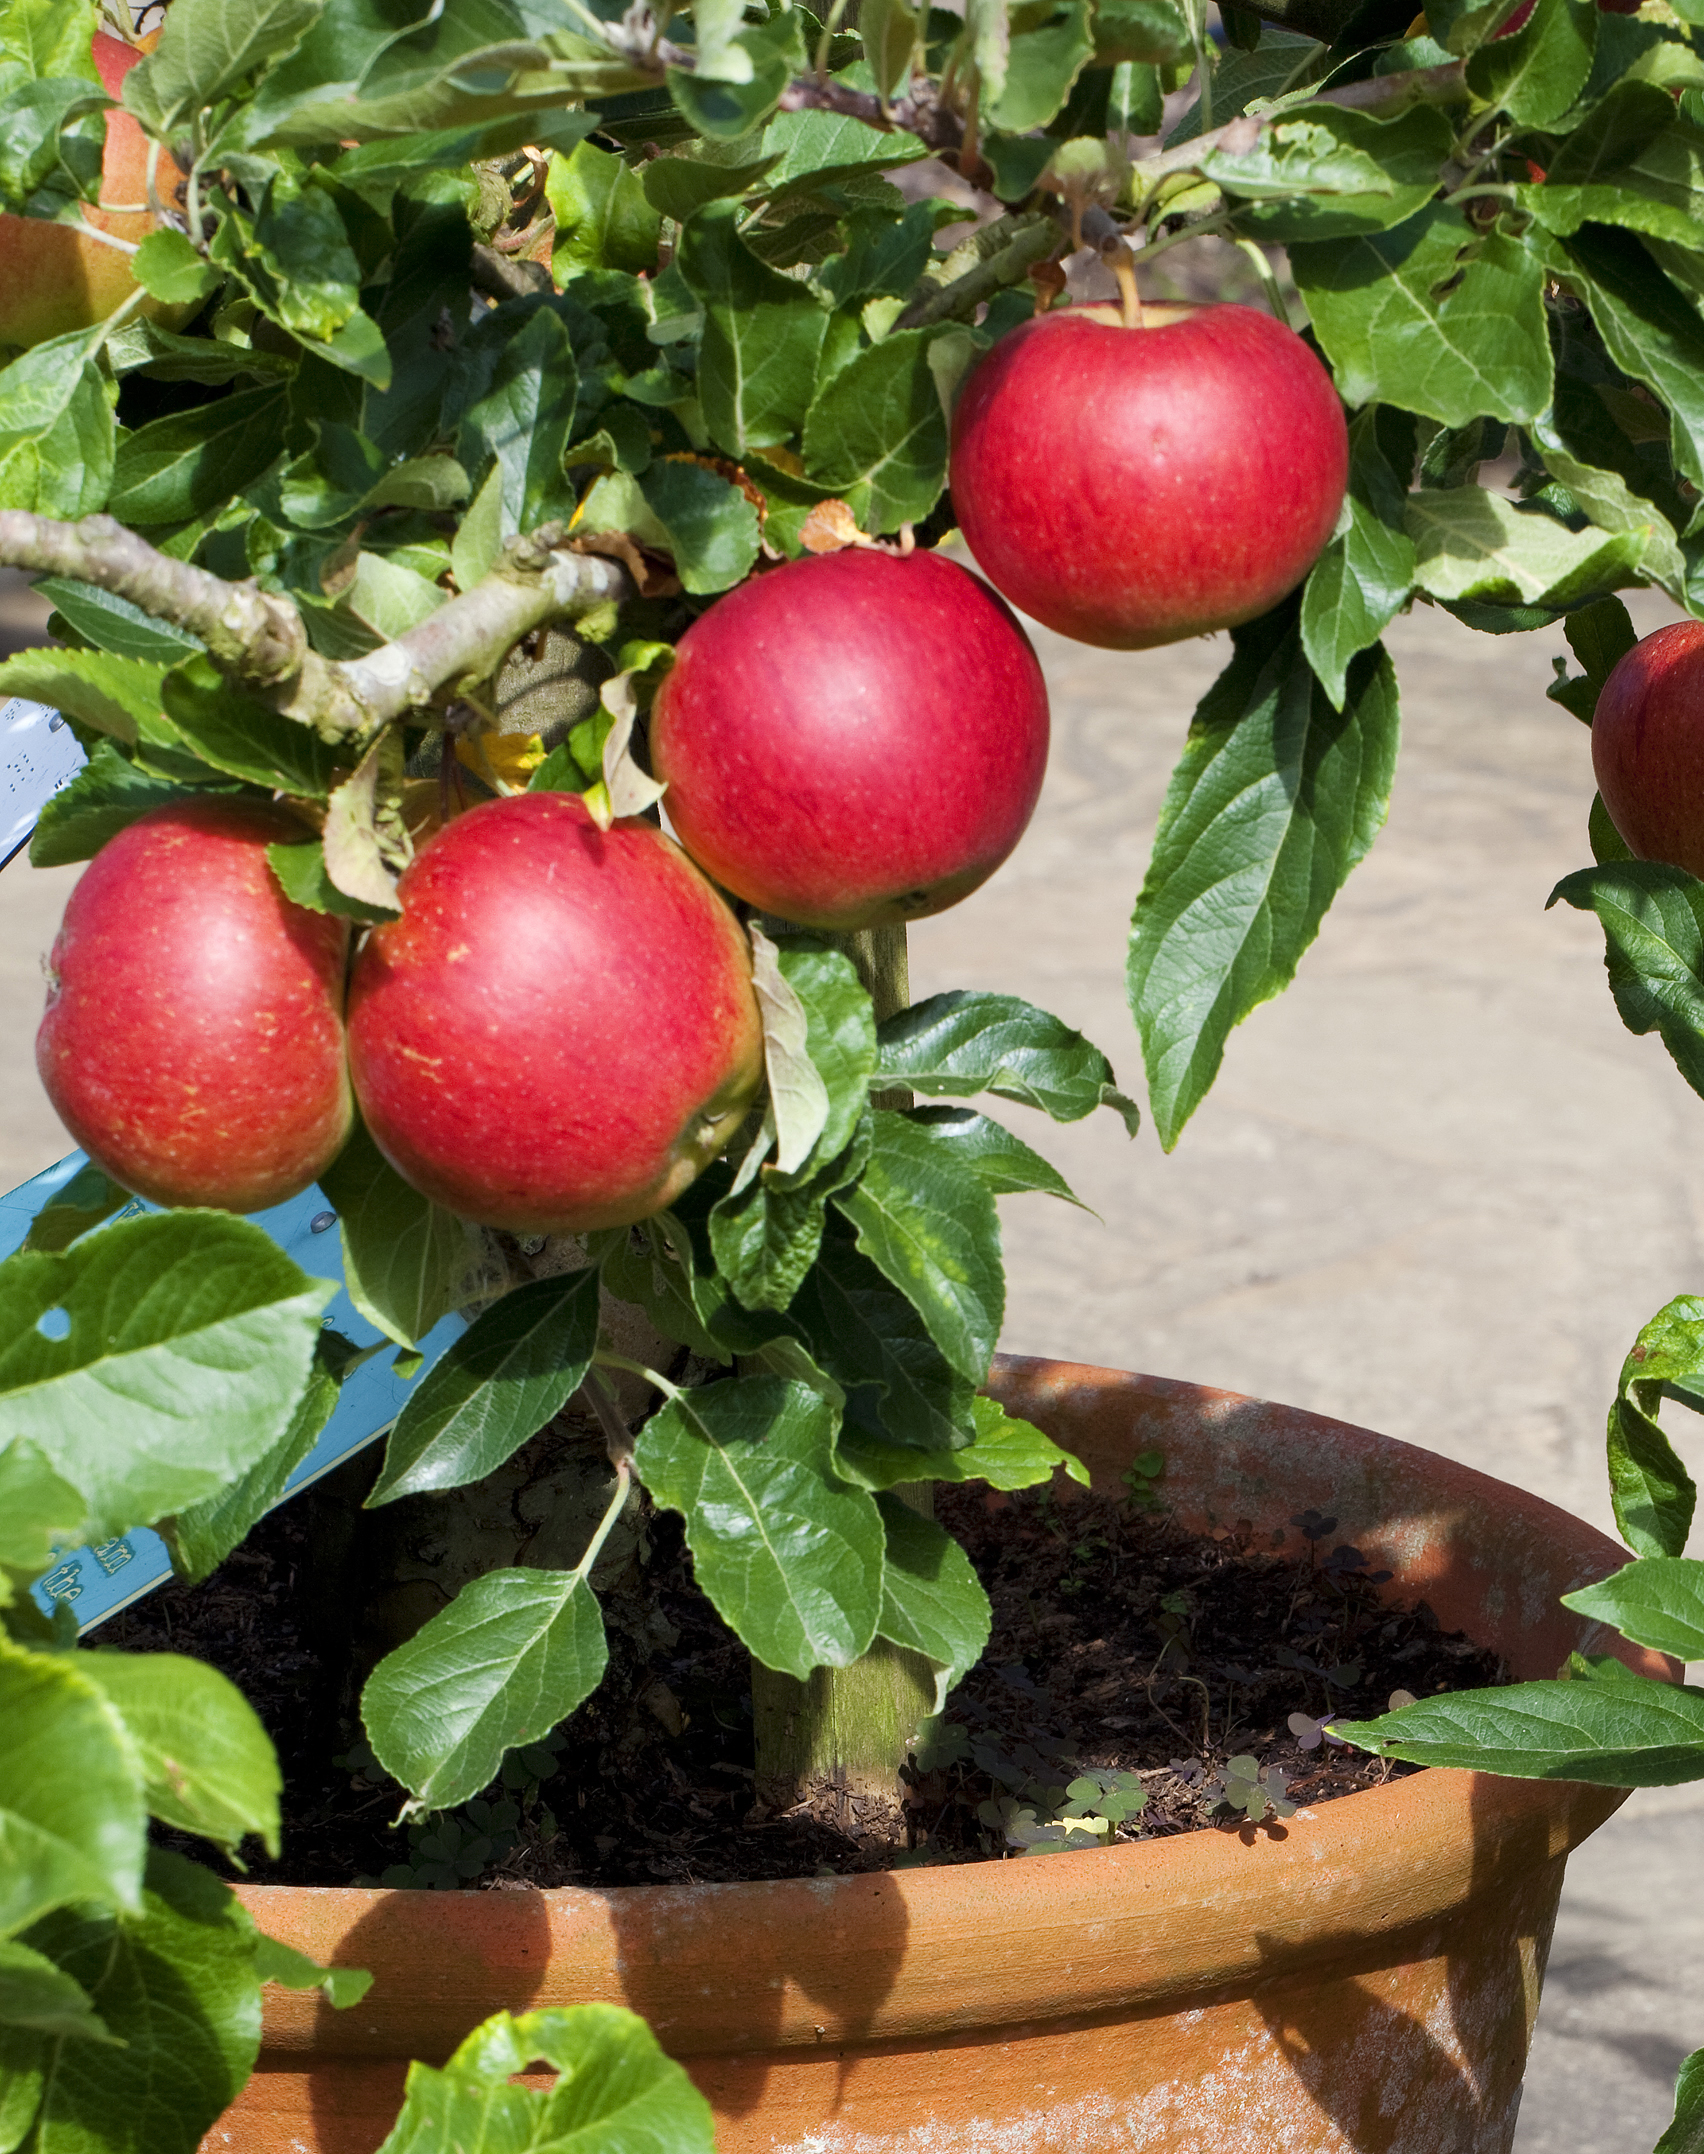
x: 38, y: 755
x: 96, y: 1582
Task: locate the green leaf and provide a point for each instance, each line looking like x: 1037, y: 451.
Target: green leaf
x: 840, y: 1034
x: 1651, y: 1491
x: 1470, y: 543
x: 524, y: 419
x: 39, y: 1512
x: 878, y: 423
x: 749, y: 69
x: 512, y: 1654
x: 1685, y: 2134
x: 1005, y: 1163
x: 890, y: 30
x: 762, y: 334
x: 116, y: 694
x: 1322, y: 172
x: 708, y: 524
x: 56, y: 430
x: 1045, y: 59
x: 1433, y: 317
x: 190, y: 1335
x: 1276, y: 799
x: 1652, y: 917
x: 191, y: 462
x: 42, y: 38
x: 765, y: 1235
x: 1599, y: 636
x: 1630, y: 164
x: 168, y: 266
x: 790, y: 1556
x: 202, y: 1535
x: 988, y: 28
x: 114, y: 624
x: 72, y: 1822
x: 175, y: 1985
x: 932, y: 1600
x: 1613, y: 506
x: 929, y: 1225
x: 824, y: 149
x: 603, y: 220
x: 1364, y: 577
x: 302, y: 877
x: 1642, y: 1734
x: 1534, y: 74
x: 403, y: 1256
x: 510, y: 1372
x: 42, y: 1998
x: 1658, y: 1601
x: 614, y: 2092
x: 1648, y: 328
x: 277, y: 1962
x: 964, y: 1042
x: 105, y: 797
x: 209, y: 48
x: 242, y: 736
x: 797, y: 1108
x: 677, y: 186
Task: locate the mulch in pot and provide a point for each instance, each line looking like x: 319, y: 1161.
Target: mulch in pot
x: 1140, y: 1681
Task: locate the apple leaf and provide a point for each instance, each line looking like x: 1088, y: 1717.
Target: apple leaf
x: 1323, y: 172
x: 105, y: 797
x: 1638, y: 1734
x: 403, y: 1256
x: 1685, y: 2134
x: 614, y: 2092
x: 1657, y: 1601
x: 101, y: 689
x: 877, y: 427
x: 243, y: 737
x: 1004, y: 1162
x: 57, y: 437
x: 1651, y: 330
x: 209, y: 48
x: 929, y: 1224
x: 765, y: 1234
x: 1276, y: 799
x: 762, y: 333
x: 176, y: 1988
x: 39, y: 1513
x: 840, y: 1034
x: 512, y: 1655
x: 1470, y: 543
x: 510, y: 1372
x: 1652, y: 1493
x: 155, y: 1360
x: 72, y: 1822
x: 1652, y: 917
x: 798, y: 1097
x: 1005, y: 1452
x: 40, y: 1998
x: 1535, y: 73
x: 190, y: 462
x: 964, y: 1042
x: 603, y: 219
x: 523, y: 417
x: 1044, y: 60
x: 114, y: 624
x: 1630, y: 163
x: 790, y: 1555
x: 1364, y: 577
x: 932, y: 1600
x: 706, y: 522
x: 1432, y: 316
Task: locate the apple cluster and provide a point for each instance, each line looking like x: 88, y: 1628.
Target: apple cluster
x: 561, y: 1029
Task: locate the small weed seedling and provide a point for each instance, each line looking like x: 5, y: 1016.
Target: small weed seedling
x: 1141, y: 1479
x: 1242, y: 1785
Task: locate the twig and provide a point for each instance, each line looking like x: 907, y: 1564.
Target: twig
x: 1032, y: 238
x: 499, y: 277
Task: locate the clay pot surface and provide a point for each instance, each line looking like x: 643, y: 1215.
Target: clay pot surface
x: 1362, y: 1978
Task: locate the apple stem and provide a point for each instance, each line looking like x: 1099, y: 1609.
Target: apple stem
x: 1123, y: 266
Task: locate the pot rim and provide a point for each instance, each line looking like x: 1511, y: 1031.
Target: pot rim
x: 912, y: 1955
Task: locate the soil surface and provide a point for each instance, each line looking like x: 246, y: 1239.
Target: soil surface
x: 1140, y: 1681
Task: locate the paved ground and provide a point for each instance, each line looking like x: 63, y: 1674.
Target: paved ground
x: 1436, y: 1190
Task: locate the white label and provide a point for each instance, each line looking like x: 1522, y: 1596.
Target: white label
x: 38, y: 755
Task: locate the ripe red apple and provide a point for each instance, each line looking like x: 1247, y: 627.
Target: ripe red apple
x: 1648, y: 746
x: 853, y: 740
x: 53, y: 279
x: 561, y: 1030
x: 1131, y: 486
x: 193, y: 1042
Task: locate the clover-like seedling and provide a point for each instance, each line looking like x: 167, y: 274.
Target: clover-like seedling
x: 938, y: 1743
x: 1310, y: 1733
x: 1243, y: 1785
x: 1314, y: 1525
x: 1141, y: 1477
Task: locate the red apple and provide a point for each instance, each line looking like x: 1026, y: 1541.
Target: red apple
x: 1648, y: 746
x: 53, y: 279
x: 1131, y: 486
x: 193, y: 1042
x: 561, y: 1030
x: 853, y: 740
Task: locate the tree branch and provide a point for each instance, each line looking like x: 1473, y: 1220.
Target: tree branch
x: 257, y: 640
x: 930, y: 122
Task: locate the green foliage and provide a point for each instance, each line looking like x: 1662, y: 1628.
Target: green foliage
x: 1639, y: 1733
x: 402, y: 1257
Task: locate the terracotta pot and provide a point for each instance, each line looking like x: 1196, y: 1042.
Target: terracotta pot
x: 1362, y: 1978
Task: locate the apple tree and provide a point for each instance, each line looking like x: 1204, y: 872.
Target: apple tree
x: 475, y: 361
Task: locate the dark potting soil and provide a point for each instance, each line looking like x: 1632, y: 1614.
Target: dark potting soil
x: 1141, y: 1681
